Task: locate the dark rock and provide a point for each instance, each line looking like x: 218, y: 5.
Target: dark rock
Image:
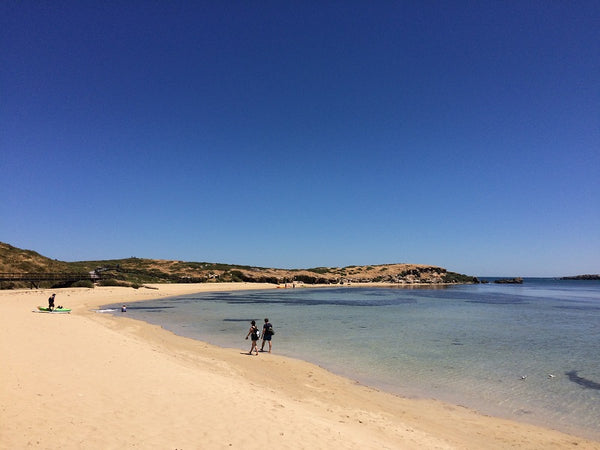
x: 517, y: 280
x: 582, y: 277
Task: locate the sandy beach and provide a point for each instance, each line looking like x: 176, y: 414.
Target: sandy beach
x: 94, y: 381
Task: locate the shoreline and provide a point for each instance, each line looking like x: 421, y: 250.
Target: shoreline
x: 98, y: 381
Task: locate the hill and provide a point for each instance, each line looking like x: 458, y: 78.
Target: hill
x: 14, y: 259
x: 136, y: 271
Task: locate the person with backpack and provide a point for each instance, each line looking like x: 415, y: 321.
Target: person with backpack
x: 254, y: 334
x: 267, y: 334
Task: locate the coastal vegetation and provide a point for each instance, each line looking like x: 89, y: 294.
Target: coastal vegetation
x: 26, y: 268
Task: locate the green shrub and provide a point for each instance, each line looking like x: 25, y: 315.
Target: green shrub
x: 83, y: 284
x: 452, y: 277
x: 112, y: 282
x: 237, y: 276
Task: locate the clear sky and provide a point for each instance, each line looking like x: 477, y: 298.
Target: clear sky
x: 295, y: 134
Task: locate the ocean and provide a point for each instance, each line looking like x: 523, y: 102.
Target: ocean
x: 527, y: 352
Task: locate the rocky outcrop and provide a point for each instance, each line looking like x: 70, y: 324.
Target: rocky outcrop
x: 583, y: 277
x: 517, y: 280
x: 402, y: 274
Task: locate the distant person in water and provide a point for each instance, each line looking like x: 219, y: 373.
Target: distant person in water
x: 267, y: 334
x: 253, y: 333
x: 51, y: 302
x: 124, y: 308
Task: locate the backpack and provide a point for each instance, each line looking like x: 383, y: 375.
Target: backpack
x: 270, y: 329
x: 256, y: 333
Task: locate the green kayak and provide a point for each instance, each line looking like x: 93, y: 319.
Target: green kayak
x: 55, y: 310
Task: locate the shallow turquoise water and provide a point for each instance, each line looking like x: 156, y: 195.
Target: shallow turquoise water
x: 469, y: 345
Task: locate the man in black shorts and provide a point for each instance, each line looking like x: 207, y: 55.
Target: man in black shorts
x: 51, y: 302
x: 266, y: 335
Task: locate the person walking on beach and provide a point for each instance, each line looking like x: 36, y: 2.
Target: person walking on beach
x: 51, y: 302
x: 253, y: 333
x: 267, y: 334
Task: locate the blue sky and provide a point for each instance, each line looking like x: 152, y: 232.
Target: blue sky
x: 301, y: 134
